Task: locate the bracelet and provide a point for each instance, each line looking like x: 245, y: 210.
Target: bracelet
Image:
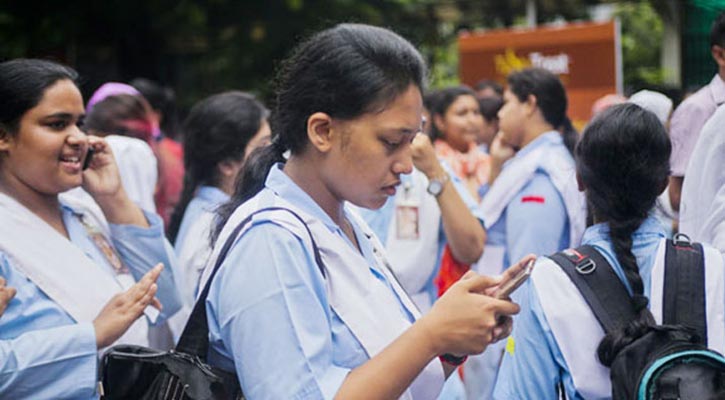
x: 450, y: 359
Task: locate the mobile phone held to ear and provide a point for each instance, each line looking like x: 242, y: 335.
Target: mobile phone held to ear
x: 507, y: 287
x: 89, y: 157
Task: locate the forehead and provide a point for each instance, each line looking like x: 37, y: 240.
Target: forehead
x: 61, y: 97
x: 403, y: 112
x: 466, y: 100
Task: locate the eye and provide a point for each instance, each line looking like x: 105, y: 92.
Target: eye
x: 58, y: 125
x: 391, y: 145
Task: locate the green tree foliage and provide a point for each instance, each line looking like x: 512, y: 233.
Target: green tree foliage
x: 641, y: 37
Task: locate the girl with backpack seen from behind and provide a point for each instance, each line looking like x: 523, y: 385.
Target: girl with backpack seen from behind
x: 298, y: 321
x: 622, y: 166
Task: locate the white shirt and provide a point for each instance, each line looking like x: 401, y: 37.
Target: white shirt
x: 702, y: 212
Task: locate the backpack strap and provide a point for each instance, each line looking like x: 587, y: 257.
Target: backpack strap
x: 684, y: 285
x: 195, y: 338
x: 602, y: 289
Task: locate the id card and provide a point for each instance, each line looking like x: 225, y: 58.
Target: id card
x: 406, y: 222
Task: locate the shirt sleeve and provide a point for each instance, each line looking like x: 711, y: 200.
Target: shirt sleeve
x: 141, y: 249
x: 536, y: 220
x: 468, y: 200
x: 267, y: 304
x: 687, y: 121
x: 45, y: 363
x: 532, y: 365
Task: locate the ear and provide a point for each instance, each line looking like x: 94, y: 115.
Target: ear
x: 439, y: 122
x: 319, y: 131
x: 718, y: 53
x: 532, y: 104
x: 228, y: 167
x: 6, y: 139
x: 580, y: 183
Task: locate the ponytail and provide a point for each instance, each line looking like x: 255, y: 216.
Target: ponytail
x: 250, y: 181
x: 569, y: 134
x: 187, y: 193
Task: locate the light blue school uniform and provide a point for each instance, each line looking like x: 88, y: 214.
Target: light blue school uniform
x: 535, y: 220
x: 380, y: 220
x: 269, y: 286
x: 192, y: 244
x: 44, y: 352
x: 537, y: 364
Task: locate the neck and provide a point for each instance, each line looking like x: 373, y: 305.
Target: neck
x: 534, y: 131
x: 226, y: 184
x: 305, y: 173
x: 45, y: 206
x: 721, y: 73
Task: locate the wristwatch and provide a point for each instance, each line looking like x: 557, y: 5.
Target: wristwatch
x: 435, y: 186
x: 450, y: 359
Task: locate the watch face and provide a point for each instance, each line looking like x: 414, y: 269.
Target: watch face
x: 435, y: 187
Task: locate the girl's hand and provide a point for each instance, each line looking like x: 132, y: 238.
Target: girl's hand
x: 500, y: 151
x: 124, y: 308
x: 424, y: 156
x: 101, y: 178
x: 465, y: 320
x: 6, y: 294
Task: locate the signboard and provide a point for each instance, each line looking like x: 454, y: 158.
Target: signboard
x: 585, y: 56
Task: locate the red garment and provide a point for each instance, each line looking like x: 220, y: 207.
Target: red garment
x: 473, y: 167
x: 451, y: 271
x: 171, y: 177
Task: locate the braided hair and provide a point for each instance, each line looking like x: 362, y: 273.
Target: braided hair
x: 623, y: 162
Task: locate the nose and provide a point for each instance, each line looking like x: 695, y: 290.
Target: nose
x: 77, y: 137
x: 404, y: 163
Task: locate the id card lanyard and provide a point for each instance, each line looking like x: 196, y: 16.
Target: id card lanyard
x: 407, y: 219
x: 120, y: 271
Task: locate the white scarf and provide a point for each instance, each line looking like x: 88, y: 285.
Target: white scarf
x: 58, y: 267
x: 368, y: 308
x: 555, y: 161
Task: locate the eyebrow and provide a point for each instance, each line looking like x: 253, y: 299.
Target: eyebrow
x: 64, y: 115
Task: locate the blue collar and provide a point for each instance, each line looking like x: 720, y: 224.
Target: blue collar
x: 212, y: 194
x: 545, y: 139
x: 284, y: 187
x: 650, y: 227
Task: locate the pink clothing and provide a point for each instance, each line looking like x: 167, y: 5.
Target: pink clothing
x: 473, y: 167
x: 689, y: 118
x: 171, y: 170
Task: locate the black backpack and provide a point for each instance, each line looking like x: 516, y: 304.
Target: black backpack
x: 671, y: 361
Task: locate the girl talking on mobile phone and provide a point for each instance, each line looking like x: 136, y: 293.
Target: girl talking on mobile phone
x: 83, y: 266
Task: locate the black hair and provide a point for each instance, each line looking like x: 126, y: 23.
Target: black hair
x: 717, y: 31
x: 217, y: 128
x: 550, y: 98
x: 162, y: 99
x: 345, y: 71
x: 623, y: 161
x: 443, y: 100
x: 22, y: 85
x: 488, y: 83
x: 107, y: 116
x: 489, y: 107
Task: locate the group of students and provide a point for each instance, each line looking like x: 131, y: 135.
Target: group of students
x: 330, y: 291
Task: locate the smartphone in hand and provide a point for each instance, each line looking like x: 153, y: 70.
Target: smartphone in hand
x: 507, y: 287
x: 89, y: 157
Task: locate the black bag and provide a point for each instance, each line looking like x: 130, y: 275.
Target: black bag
x: 131, y: 372
x: 670, y: 361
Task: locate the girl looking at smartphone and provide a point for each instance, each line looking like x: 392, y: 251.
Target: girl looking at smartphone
x: 348, y: 106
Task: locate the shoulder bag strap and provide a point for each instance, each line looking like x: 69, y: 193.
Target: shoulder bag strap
x: 195, y: 338
x: 602, y: 289
x: 684, y: 287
